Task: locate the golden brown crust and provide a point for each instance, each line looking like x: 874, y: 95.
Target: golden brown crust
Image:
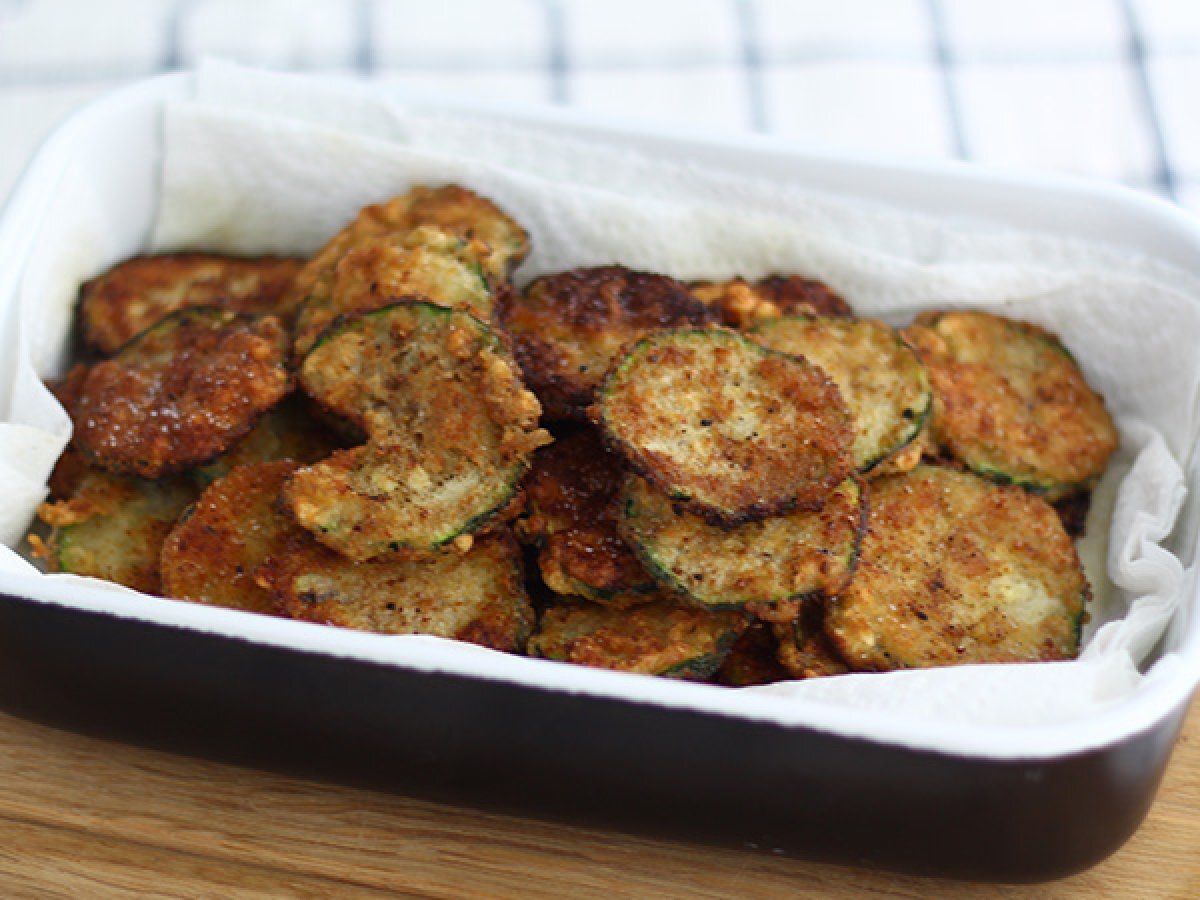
x: 567, y: 328
x: 500, y: 242
x: 656, y: 638
x: 743, y: 304
x: 183, y: 392
x: 129, y: 298
x: 571, y: 516
x: 211, y: 555
x: 765, y: 563
x: 879, y: 376
x: 476, y: 596
x: 427, y: 261
x: 735, y: 431
x: 450, y: 431
x: 1011, y: 403
x: 955, y: 569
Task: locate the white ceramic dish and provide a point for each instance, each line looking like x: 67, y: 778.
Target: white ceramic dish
x: 1098, y: 774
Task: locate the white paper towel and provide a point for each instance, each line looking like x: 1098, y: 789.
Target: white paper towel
x: 266, y: 163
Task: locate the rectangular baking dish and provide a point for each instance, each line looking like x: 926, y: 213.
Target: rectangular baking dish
x: 527, y: 736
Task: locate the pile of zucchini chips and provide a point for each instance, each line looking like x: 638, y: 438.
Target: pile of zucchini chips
x: 735, y: 481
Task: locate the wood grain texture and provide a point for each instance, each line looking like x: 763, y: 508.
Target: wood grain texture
x: 81, y: 817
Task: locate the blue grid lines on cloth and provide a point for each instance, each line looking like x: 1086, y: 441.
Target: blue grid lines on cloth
x: 1103, y: 88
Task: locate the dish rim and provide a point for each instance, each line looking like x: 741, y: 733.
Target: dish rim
x: 965, y: 189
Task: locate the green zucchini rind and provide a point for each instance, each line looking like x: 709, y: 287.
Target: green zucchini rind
x: 476, y: 596
x: 656, y: 638
x: 771, y: 561
x: 211, y: 554
x: 1011, y: 404
x: 113, y: 527
x: 450, y: 431
x: 880, y: 377
x: 181, y: 392
x: 732, y: 429
x: 955, y: 569
x: 804, y: 649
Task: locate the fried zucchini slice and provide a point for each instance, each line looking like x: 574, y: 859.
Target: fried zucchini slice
x: 571, y: 516
x: 752, y: 660
x: 427, y: 261
x: 880, y: 378
x: 1011, y: 404
x: 804, y: 650
x: 501, y: 243
x: 450, y: 431
x: 743, y: 304
x: 129, y: 298
x: 568, y: 327
x: 656, y: 638
x: 113, y: 527
x: 286, y: 431
x: 734, y: 430
x: 767, y: 562
x: 211, y: 554
x: 955, y: 569
x: 182, y: 392
x: 71, y: 466
x: 477, y: 596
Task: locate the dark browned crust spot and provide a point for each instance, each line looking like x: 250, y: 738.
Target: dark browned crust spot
x: 136, y: 294
x: 182, y: 392
x: 752, y: 660
x: 571, y: 516
x: 211, y: 555
x: 742, y: 304
x: 734, y: 431
x: 568, y: 327
x: 72, y: 465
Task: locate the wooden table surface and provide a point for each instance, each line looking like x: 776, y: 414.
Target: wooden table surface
x: 85, y: 818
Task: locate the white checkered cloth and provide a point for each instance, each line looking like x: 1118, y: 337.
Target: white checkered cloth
x: 1102, y: 88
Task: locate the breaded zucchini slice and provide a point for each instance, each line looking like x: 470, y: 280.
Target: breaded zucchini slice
x: 880, y: 378
x: 567, y: 328
x: 211, y: 554
x: 130, y: 297
x: 734, y: 430
x: 777, y: 559
x: 502, y: 243
x: 657, y: 638
x: 113, y: 527
x: 955, y: 569
x: 1011, y: 403
x: 72, y: 465
x: 742, y: 304
x: 450, y: 431
x: 287, y: 430
x: 476, y: 596
x: 804, y: 650
x: 182, y: 392
x: 427, y: 261
x: 571, y: 517
x: 752, y: 660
